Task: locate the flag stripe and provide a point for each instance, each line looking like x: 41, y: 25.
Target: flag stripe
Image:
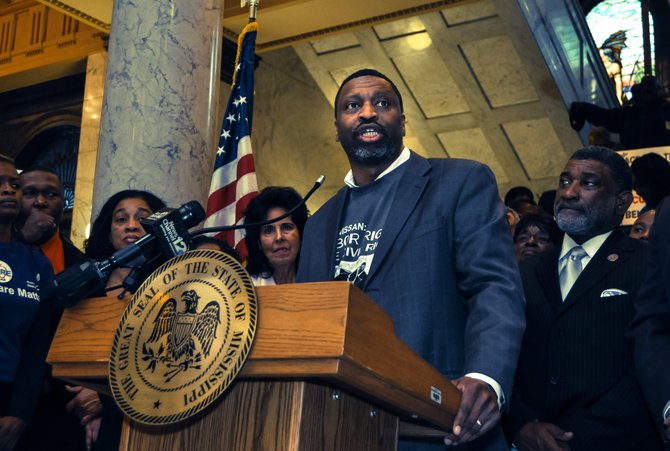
x: 233, y: 182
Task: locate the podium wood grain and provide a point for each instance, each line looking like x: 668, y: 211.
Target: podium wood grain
x: 326, y: 331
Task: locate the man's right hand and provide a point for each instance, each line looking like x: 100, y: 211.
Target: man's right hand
x: 539, y: 436
x: 36, y: 225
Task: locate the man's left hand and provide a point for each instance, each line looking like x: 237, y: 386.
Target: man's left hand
x: 477, y: 414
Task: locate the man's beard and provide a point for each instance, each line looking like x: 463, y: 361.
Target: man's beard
x: 588, y: 221
x: 374, y: 154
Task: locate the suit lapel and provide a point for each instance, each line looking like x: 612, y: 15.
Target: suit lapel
x: 411, y: 186
x: 331, y: 228
x: 611, y: 255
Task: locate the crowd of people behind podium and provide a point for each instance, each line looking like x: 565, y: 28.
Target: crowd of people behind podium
x: 593, y: 364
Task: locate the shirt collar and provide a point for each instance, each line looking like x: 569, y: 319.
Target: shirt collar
x: 590, y: 246
x: 404, y: 156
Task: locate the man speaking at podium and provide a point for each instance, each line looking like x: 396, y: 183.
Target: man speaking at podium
x: 427, y: 240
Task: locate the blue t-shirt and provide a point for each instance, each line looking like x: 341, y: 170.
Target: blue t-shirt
x: 25, y: 275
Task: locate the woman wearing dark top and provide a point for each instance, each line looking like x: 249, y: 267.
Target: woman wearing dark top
x: 274, y: 248
x: 117, y: 226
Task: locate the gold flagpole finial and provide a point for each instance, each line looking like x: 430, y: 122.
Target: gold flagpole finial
x: 253, y: 7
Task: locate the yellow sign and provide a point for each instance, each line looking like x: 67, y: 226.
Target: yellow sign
x: 183, y: 338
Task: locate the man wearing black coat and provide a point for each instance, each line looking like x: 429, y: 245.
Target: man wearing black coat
x: 38, y: 225
x: 575, y: 386
x: 651, y: 327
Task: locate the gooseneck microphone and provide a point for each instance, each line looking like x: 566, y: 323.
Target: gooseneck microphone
x: 317, y: 184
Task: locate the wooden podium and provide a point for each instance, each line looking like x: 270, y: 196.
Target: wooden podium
x: 326, y: 372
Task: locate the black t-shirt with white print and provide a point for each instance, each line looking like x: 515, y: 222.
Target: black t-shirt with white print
x: 365, y: 213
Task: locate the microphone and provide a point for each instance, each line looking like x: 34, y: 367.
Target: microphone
x: 167, y: 226
x: 317, y: 184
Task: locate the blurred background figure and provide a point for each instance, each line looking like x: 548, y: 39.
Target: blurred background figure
x: 521, y: 200
x: 546, y: 202
x: 599, y: 136
x: 534, y: 234
x: 274, y: 248
x: 651, y: 179
x: 518, y: 192
x: 512, y: 218
x: 209, y: 242
x: 642, y: 123
x: 524, y: 207
x: 642, y: 225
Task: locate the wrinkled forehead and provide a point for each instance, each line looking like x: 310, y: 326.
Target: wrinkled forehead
x: 588, y: 167
x: 366, y: 83
x: 40, y: 180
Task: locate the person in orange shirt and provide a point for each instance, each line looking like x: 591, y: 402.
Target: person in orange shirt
x: 41, y: 213
x: 38, y: 226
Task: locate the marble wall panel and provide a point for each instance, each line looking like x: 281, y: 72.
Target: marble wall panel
x: 473, y: 145
x: 353, y: 57
x: 499, y: 71
x: 294, y: 133
x: 335, y: 42
x: 537, y: 146
x: 397, y: 28
x: 432, y: 85
x: 469, y: 12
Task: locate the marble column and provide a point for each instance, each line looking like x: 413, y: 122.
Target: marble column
x: 158, y: 129
x: 96, y: 68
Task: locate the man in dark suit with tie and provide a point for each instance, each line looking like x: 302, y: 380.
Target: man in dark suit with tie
x: 428, y: 241
x: 651, y: 327
x: 575, y: 386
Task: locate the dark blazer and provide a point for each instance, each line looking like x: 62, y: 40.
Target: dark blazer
x: 71, y: 253
x: 444, y: 267
x: 650, y: 329
x: 575, y: 368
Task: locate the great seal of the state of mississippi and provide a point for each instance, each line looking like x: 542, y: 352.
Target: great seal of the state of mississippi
x: 183, y: 337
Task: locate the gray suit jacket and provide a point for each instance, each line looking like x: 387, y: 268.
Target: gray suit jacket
x: 444, y: 267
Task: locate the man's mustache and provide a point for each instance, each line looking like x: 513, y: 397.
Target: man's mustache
x: 568, y: 206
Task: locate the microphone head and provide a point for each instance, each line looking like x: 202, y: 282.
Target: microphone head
x: 192, y: 213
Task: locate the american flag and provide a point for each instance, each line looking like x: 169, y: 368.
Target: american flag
x: 234, y: 179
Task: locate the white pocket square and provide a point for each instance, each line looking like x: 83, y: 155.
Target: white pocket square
x: 612, y: 292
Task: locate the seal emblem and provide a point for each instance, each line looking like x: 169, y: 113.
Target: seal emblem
x: 6, y: 272
x: 183, y: 337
